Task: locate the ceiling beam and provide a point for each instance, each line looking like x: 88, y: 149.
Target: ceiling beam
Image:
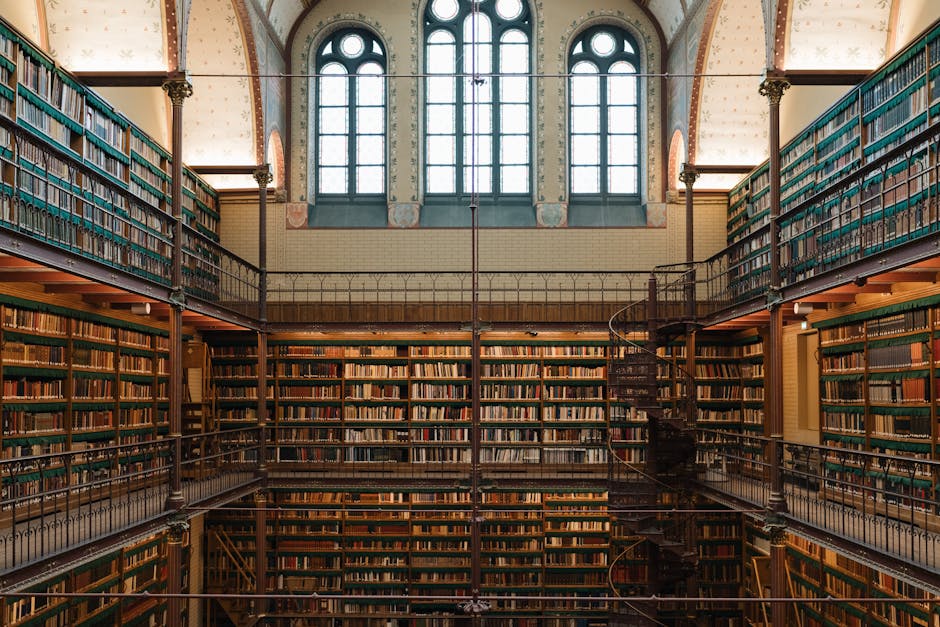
x: 721, y: 169
x: 825, y: 77
x: 83, y: 288
x: 902, y: 276
x: 224, y: 169
x: 39, y: 276
x: 8, y: 261
x: 829, y: 297
x: 123, y: 79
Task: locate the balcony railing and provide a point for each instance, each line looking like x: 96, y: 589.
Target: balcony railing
x: 445, y: 297
x: 887, y: 204
x: 53, y: 198
x: 883, y: 502
x: 62, y: 501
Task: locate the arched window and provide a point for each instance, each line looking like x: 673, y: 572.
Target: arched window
x: 484, y: 148
x: 350, y: 116
x: 604, y: 115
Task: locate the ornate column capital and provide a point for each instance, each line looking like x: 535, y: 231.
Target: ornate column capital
x: 178, y: 89
x: 773, y: 87
x: 688, y: 175
x: 263, y: 176
x: 176, y: 528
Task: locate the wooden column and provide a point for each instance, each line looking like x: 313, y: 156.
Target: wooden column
x: 176, y: 530
x: 261, y: 554
x: 263, y: 177
x: 178, y: 89
x: 688, y: 176
x: 773, y: 87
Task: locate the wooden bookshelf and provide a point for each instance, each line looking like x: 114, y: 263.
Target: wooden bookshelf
x: 816, y: 572
x: 878, y: 391
x: 822, y: 224
x: 417, y: 539
x: 720, y: 564
x: 343, y: 400
x: 75, y: 380
x: 139, y: 567
x: 90, y: 180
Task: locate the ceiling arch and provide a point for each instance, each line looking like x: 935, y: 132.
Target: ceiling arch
x: 218, y: 62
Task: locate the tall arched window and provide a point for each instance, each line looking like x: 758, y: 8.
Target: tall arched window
x: 491, y: 40
x: 603, y: 114
x: 350, y: 115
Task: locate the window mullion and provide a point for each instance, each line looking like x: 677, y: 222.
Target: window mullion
x: 459, y: 113
x: 352, y: 156
x: 603, y: 157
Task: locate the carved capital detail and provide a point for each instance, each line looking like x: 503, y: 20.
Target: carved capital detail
x: 178, y: 90
x: 688, y: 175
x: 263, y: 176
x: 176, y: 528
x: 773, y: 89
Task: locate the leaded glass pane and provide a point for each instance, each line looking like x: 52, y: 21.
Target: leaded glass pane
x: 479, y: 180
x: 483, y: 146
x: 484, y: 118
x: 441, y: 149
x: 621, y: 119
x: 370, y: 149
x: 370, y: 120
x: 370, y: 180
x: 621, y: 89
x: 514, y: 179
x: 514, y: 118
x: 477, y: 28
x: 585, y: 149
x: 441, y: 179
x: 333, y: 180
x: 441, y: 119
x: 333, y: 89
x: 585, y: 180
x: 586, y: 120
x: 621, y: 149
x: 514, y: 56
x: 509, y: 9
x: 352, y: 45
x: 441, y: 89
x: 622, y: 180
x: 334, y: 120
x: 514, y: 150
x: 444, y: 10
x: 334, y: 150
x: 514, y: 89
x: 478, y: 59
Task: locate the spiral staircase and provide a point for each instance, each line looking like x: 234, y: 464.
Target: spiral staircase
x: 651, y: 500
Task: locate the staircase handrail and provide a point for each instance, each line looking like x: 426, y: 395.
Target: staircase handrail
x: 241, y: 565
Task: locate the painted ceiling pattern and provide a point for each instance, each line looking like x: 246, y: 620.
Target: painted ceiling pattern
x: 862, y: 26
x: 282, y: 15
x: 215, y: 47
x: 732, y: 123
x: 133, y: 29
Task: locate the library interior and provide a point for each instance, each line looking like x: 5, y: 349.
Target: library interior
x: 453, y: 313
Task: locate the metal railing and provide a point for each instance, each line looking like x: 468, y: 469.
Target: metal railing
x: 58, y: 502
x: 887, y: 503
x: 446, y: 296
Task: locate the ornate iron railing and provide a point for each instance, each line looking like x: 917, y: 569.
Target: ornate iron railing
x: 61, y: 501
x: 887, y: 503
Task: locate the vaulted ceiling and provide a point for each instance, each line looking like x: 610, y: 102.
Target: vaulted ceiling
x: 223, y: 44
